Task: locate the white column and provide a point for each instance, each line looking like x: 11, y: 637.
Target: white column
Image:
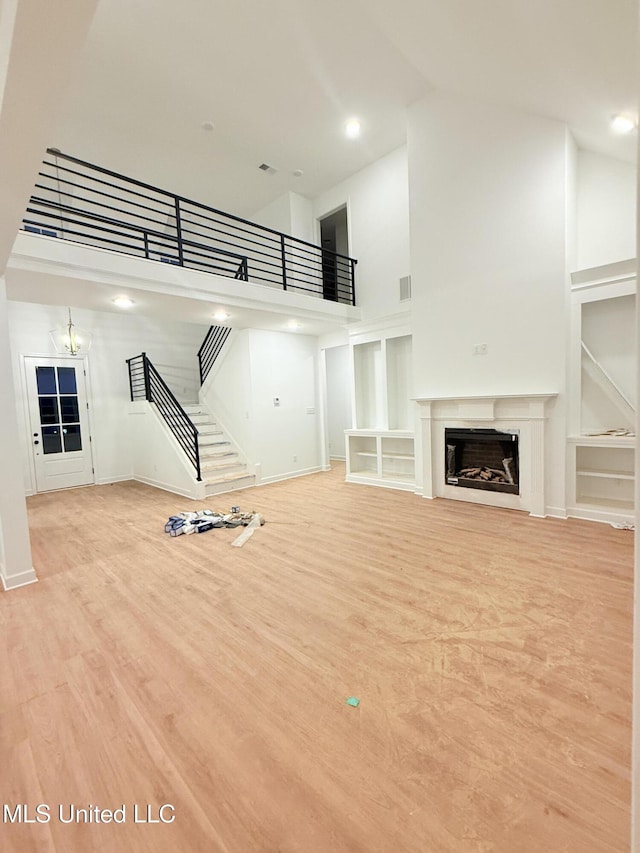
x: 424, y: 454
x: 537, y: 505
x: 15, y: 548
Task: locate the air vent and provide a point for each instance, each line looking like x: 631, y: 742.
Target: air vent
x: 405, y: 288
x: 265, y: 167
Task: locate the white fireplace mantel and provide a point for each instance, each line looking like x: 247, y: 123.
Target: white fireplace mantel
x: 521, y: 413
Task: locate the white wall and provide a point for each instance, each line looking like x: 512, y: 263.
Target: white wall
x: 285, y: 366
x: 378, y: 219
x: 258, y: 367
x: 116, y: 337
x: 290, y: 213
x: 15, y: 548
x: 155, y: 454
x: 276, y: 214
x: 302, y: 223
x: 338, y: 383
x: 488, y: 248
x: 606, y: 210
x: 488, y: 200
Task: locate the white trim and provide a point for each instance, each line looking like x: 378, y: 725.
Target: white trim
x: 557, y: 512
x: 166, y: 487
x: 118, y: 478
x: 291, y: 475
x: 16, y: 581
x: 604, y: 516
x: 379, y: 483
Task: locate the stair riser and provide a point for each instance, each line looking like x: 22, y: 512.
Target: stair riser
x: 203, y: 441
x: 229, y: 486
x: 211, y: 474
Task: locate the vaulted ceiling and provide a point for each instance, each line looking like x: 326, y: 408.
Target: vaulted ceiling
x: 278, y: 79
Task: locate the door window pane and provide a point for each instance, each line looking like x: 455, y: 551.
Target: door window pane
x: 69, y: 407
x: 67, y: 380
x: 48, y: 410
x: 51, y: 439
x: 46, y: 378
x: 72, y: 439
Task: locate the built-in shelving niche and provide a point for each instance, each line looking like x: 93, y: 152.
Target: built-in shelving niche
x: 380, y: 447
x: 600, y: 467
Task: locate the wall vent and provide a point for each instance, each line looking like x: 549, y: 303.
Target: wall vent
x: 405, y: 288
x: 265, y: 167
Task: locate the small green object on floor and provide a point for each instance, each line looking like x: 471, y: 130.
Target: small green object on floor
x: 353, y: 701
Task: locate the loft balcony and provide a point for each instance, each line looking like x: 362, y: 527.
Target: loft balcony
x: 86, y: 204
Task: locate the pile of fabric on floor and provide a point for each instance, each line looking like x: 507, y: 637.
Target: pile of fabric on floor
x: 207, y: 519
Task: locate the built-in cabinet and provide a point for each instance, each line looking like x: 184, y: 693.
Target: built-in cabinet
x: 600, y: 456
x: 380, y: 448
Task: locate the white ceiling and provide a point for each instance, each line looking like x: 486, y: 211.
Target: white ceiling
x: 279, y: 77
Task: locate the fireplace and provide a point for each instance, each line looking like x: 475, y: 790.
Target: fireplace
x: 497, y: 418
x: 482, y: 459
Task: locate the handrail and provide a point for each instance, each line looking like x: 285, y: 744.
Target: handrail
x: 145, y: 383
x: 211, y: 347
x: 79, y: 201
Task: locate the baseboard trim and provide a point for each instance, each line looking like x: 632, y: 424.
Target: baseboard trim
x: 16, y: 581
x: 290, y: 476
x: 148, y: 481
x: 107, y: 481
x: 556, y: 512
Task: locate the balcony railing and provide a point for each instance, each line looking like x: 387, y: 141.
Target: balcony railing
x: 88, y: 204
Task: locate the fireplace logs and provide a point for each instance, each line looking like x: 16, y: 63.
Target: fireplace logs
x: 482, y: 459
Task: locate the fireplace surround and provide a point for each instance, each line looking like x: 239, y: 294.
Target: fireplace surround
x: 521, y: 416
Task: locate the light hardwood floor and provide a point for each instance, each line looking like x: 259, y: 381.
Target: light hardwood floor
x: 491, y: 653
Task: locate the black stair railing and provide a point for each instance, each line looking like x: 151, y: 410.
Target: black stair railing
x: 88, y: 204
x: 211, y: 348
x: 145, y: 383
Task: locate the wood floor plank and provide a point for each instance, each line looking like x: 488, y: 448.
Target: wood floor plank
x: 490, y: 651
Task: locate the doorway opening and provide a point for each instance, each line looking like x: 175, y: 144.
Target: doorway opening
x: 59, y: 422
x: 334, y: 239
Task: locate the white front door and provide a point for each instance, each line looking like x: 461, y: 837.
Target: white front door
x: 59, y: 421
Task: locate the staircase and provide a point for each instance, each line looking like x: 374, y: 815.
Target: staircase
x: 221, y: 468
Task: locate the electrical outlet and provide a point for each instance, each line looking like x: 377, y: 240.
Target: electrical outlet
x: 295, y: 458
x: 480, y: 349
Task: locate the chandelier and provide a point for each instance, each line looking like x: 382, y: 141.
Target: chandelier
x: 69, y: 339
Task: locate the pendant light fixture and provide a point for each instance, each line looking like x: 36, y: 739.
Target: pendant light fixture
x: 69, y: 339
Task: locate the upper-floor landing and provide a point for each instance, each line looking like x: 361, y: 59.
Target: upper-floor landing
x: 88, y: 234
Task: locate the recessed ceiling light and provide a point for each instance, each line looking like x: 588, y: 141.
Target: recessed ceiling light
x: 297, y: 173
x: 221, y: 316
x: 623, y: 124
x: 208, y: 125
x: 123, y: 302
x: 352, y: 128
x: 293, y: 324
